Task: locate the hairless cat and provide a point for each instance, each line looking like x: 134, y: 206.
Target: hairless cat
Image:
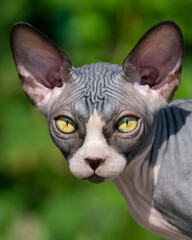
x: 117, y: 123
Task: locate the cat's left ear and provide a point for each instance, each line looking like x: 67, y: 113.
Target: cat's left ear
x: 43, y: 68
x: 154, y: 65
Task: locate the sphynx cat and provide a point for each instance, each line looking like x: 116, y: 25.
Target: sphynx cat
x: 117, y: 123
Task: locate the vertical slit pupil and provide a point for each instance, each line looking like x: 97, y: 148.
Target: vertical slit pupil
x: 67, y: 122
x: 126, y: 120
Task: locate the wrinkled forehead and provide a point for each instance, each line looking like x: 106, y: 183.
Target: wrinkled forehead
x: 99, y: 87
x: 106, y: 109
x: 98, y: 83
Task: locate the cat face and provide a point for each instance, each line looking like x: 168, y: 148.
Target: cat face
x: 100, y: 115
x: 95, y: 123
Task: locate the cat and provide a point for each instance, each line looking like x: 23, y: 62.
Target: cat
x: 117, y: 123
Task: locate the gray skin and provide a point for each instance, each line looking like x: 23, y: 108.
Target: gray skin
x: 141, y: 87
x: 176, y: 166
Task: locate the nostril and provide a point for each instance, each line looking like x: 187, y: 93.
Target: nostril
x: 94, y: 163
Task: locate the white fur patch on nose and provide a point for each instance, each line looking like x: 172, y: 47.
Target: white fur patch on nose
x: 96, y: 147
x: 95, y: 142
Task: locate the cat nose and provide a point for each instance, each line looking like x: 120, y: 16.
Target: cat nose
x: 94, y: 162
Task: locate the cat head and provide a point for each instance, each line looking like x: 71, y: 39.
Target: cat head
x: 100, y: 115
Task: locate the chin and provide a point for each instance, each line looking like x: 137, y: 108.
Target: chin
x: 95, y: 179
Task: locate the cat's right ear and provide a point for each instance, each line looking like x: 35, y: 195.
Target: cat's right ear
x: 43, y: 68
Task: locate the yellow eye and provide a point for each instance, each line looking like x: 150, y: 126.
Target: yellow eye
x: 127, y: 124
x: 66, y: 125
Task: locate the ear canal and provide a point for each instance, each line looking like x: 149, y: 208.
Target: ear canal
x: 156, y: 60
x: 41, y: 65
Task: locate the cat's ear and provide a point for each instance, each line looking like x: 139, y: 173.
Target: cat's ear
x: 43, y: 68
x: 154, y: 65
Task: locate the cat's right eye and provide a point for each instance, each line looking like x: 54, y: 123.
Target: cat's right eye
x: 65, y: 125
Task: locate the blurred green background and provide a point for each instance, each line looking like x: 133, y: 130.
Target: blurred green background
x: 39, y: 198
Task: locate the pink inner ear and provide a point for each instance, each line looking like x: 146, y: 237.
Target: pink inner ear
x: 42, y: 66
x: 148, y: 76
x: 155, y: 63
x: 45, y: 68
x: 38, y: 57
x: 156, y: 60
x: 53, y: 79
x: 56, y: 80
x: 49, y: 78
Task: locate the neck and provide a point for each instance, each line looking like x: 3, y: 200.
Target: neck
x: 136, y: 184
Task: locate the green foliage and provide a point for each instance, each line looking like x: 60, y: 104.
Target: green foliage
x: 39, y: 199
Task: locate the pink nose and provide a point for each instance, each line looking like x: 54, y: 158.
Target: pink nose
x: 94, y: 162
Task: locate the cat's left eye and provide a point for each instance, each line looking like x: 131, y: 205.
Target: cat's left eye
x: 65, y: 125
x: 126, y: 124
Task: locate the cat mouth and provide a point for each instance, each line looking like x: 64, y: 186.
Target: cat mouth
x: 95, y: 179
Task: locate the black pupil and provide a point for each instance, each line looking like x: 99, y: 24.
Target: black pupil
x: 67, y: 122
